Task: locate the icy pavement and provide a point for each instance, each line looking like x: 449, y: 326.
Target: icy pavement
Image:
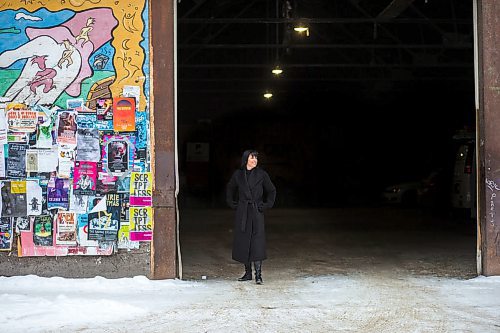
x: 333, y: 303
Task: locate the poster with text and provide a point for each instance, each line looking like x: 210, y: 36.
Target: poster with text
x: 141, y: 224
x: 66, y: 128
x: 58, y: 193
x: 141, y: 189
x: 14, y: 200
x: 66, y: 160
x: 102, y: 227
x: 124, y: 114
x: 113, y: 206
x: 65, y: 228
x: 16, y: 160
x: 84, y: 178
x: 88, y: 145
x: 106, y: 183
x: 22, y: 120
x: 41, y: 160
x: 86, y: 121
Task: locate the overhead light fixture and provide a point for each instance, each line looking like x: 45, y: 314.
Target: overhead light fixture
x: 277, y: 70
x: 268, y: 95
x: 301, y: 28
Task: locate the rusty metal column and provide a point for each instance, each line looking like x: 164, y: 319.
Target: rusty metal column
x: 488, y: 38
x: 163, y: 248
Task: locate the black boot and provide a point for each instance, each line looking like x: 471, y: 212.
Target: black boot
x: 248, y: 273
x: 258, y: 271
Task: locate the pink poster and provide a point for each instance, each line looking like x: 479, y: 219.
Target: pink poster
x: 84, y: 178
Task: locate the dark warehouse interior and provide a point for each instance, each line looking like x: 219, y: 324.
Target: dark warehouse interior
x: 372, y: 94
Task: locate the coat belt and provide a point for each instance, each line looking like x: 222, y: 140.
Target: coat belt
x: 245, y: 213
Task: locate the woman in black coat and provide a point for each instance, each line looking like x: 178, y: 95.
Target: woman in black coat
x: 250, y: 191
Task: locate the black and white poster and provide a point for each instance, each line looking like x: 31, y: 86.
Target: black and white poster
x: 16, y: 160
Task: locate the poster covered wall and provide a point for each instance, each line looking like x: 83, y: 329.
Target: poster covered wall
x: 74, y: 127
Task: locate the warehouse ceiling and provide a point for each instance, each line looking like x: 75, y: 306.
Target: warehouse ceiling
x: 368, y: 48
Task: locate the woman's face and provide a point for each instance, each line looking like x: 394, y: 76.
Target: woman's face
x: 251, y: 162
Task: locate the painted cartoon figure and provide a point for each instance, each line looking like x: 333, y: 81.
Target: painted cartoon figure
x: 70, y: 44
x: 44, y: 77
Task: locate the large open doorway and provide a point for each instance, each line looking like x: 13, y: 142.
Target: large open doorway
x: 368, y: 136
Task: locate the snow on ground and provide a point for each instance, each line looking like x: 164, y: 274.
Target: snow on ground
x: 335, y: 303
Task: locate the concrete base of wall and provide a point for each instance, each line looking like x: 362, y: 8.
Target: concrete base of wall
x: 121, y: 264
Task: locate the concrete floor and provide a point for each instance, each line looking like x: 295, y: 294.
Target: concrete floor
x: 315, y: 242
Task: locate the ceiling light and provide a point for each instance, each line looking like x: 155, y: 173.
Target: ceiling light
x: 300, y: 29
x: 277, y: 70
x: 268, y: 95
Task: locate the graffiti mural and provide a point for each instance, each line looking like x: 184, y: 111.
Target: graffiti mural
x: 54, y: 50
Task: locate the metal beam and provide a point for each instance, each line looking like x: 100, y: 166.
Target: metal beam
x: 448, y: 65
x: 394, y: 9
x: 369, y: 20
x: 327, y: 46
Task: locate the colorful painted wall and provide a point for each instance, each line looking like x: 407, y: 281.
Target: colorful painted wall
x: 74, y: 126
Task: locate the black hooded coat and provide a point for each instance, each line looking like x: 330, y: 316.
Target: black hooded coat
x: 250, y: 193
